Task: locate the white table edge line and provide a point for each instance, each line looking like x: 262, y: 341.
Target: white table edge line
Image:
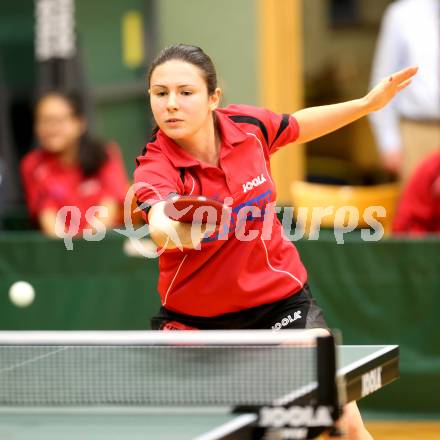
x: 229, y: 427
x: 360, y: 362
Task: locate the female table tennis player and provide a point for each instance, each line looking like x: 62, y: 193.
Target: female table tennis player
x: 201, y: 149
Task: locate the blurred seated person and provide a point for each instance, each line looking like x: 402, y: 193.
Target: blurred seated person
x: 418, y: 212
x: 69, y: 168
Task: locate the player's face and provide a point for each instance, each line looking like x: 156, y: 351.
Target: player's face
x: 56, y: 127
x: 179, y: 99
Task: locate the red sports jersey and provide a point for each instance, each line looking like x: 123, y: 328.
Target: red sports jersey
x: 419, y: 208
x: 227, y: 274
x: 50, y: 184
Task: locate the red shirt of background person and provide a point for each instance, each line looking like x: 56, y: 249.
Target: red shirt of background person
x: 69, y: 168
x: 418, y: 212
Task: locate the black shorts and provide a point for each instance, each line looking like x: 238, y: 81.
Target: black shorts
x: 298, y: 311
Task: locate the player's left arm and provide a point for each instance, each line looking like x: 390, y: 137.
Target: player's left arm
x: 315, y: 122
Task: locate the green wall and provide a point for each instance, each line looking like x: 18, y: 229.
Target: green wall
x: 376, y: 293
x: 16, y: 43
x: 118, y: 91
x: 227, y: 32
x: 95, y: 286
x: 99, y: 27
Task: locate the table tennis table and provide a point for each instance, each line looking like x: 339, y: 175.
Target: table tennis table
x: 361, y: 370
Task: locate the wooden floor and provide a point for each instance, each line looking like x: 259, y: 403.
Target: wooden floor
x: 404, y: 430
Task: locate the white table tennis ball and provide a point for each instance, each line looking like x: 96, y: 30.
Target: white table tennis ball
x: 21, y: 294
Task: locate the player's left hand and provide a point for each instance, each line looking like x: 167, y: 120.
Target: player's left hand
x: 385, y: 91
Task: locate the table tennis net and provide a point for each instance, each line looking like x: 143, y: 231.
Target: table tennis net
x: 77, y: 375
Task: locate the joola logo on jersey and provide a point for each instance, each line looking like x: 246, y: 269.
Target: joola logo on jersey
x: 257, y: 181
x: 287, y: 320
x: 295, y: 416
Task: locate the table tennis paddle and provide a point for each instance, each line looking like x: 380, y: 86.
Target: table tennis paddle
x: 195, y: 209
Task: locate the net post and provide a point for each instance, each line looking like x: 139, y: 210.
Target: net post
x: 328, y: 394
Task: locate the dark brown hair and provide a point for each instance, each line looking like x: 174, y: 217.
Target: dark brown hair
x: 190, y: 54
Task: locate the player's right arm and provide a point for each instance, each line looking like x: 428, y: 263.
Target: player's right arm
x: 172, y: 234
x: 157, y: 179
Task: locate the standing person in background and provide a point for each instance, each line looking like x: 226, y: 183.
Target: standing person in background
x: 70, y: 168
x: 408, y: 129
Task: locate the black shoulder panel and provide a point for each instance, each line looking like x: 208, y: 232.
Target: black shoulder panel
x: 253, y: 121
x: 283, y: 125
